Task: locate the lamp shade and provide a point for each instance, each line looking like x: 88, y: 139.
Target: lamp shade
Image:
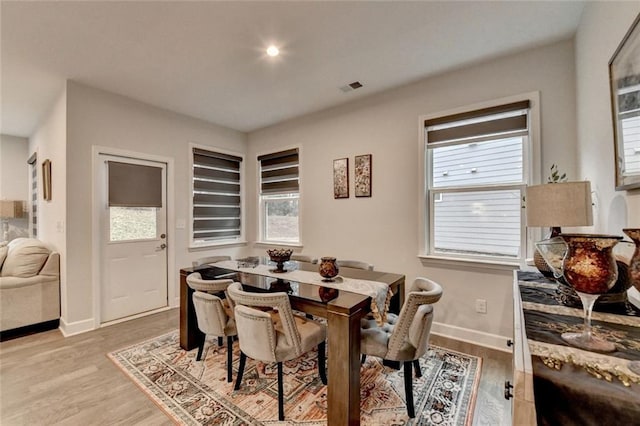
x: 10, y: 209
x: 559, y: 204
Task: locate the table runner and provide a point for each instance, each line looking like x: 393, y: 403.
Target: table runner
x: 379, y: 292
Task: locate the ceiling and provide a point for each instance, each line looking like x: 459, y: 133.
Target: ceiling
x: 206, y: 59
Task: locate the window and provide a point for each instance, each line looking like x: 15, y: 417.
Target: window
x: 33, y: 226
x: 279, y: 197
x: 476, y: 173
x: 216, y: 198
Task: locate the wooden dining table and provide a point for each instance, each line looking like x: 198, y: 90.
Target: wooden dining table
x: 342, y: 309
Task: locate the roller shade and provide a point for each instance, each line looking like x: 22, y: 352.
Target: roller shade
x: 478, y: 123
x: 216, y: 196
x: 279, y: 172
x: 134, y: 185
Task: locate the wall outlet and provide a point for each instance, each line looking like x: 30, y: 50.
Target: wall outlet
x: 481, y: 306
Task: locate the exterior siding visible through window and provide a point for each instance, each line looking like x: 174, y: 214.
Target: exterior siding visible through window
x: 217, y: 215
x: 475, y: 179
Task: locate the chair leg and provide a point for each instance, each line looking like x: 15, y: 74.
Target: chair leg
x: 363, y: 358
x: 229, y: 359
x: 220, y: 341
x: 322, y: 363
x: 280, y: 394
x: 243, y: 360
x: 408, y: 388
x: 203, y: 337
x: 416, y: 366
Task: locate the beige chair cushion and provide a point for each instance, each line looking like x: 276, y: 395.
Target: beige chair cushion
x: 25, y: 258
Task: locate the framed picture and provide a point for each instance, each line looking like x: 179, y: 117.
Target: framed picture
x: 46, y: 180
x: 624, y: 78
x: 341, y: 178
x: 363, y: 175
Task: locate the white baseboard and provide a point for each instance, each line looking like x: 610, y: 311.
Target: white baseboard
x: 468, y: 335
x: 77, y: 327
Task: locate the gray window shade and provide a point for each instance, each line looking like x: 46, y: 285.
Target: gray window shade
x: 478, y: 123
x: 279, y: 172
x: 134, y: 185
x: 216, y: 196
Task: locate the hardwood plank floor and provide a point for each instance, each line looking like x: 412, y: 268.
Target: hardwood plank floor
x: 48, y: 379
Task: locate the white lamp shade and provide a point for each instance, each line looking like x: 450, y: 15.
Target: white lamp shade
x: 559, y: 204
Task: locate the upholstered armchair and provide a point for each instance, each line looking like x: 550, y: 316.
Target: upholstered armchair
x: 404, y: 337
x: 355, y: 264
x: 274, y: 336
x: 214, y: 320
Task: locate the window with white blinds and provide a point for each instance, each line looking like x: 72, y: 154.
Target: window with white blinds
x: 476, y: 177
x: 216, y: 197
x: 279, y: 197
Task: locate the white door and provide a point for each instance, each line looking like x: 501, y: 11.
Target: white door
x: 133, y: 255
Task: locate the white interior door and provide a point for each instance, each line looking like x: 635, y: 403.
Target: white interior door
x: 134, y: 255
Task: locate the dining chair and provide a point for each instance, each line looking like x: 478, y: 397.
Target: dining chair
x: 304, y: 258
x: 356, y: 264
x: 214, y: 287
x: 404, y: 337
x: 210, y: 259
x: 214, y: 320
x: 274, y: 337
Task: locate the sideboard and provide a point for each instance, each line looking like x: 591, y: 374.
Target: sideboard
x: 554, y: 383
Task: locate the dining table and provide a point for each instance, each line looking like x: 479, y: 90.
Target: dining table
x: 343, y: 302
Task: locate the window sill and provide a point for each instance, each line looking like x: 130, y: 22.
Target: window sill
x: 208, y: 246
x: 276, y: 244
x: 502, y: 265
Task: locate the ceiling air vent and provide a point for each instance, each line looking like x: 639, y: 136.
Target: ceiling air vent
x: 351, y: 86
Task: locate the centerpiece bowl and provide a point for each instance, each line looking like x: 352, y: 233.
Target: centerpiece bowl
x: 279, y: 256
x: 634, y: 276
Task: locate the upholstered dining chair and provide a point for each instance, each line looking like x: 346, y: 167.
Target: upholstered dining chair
x: 214, y: 320
x: 404, y: 337
x: 274, y: 337
x: 356, y: 264
x: 304, y: 258
x: 210, y: 259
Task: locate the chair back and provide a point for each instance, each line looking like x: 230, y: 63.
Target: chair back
x: 410, y: 338
x: 195, y: 281
x: 210, y: 259
x: 304, y: 258
x: 211, y: 316
x: 254, y: 325
x: 356, y: 264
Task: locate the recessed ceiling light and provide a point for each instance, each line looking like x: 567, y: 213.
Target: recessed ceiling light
x: 273, y: 51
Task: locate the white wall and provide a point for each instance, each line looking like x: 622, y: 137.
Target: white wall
x: 98, y: 118
x: 383, y: 229
x: 602, y: 27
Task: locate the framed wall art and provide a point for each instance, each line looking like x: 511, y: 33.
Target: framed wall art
x: 341, y: 178
x: 46, y: 180
x: 363, y: 175
x: 624, y: 79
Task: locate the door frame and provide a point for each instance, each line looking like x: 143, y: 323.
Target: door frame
x: 97, y: 204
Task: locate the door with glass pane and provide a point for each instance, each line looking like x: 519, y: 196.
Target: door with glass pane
x: 134, y: 255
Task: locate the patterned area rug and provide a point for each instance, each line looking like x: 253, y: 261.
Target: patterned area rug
x: 196, y: 392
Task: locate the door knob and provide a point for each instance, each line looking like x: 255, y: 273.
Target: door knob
x: 162, y: 247
x: 163, y: 236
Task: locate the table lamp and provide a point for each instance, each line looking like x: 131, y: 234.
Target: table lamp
x: 554, y: 205
x: 9, y: 210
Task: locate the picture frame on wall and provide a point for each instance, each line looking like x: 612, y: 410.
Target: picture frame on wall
x: 624, y: 79
x: 341, y: 178
x: 363, y: 173
x: 46, y: 180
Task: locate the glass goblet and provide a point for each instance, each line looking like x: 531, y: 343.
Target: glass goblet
x: 590, y: 268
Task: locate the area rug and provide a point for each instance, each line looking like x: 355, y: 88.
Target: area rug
x: 196, y: 392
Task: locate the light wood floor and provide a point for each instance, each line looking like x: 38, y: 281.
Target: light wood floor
x: 48, y: 379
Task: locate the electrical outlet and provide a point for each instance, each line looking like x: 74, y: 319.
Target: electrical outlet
x: 481, y: 306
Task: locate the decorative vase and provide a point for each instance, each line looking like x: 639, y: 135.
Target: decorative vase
x: 328, y: 268
x: 279, y: 256
x: 634, y: 276
x: 590, y: 268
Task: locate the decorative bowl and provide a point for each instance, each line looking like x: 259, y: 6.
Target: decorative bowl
x: 279, y: 256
